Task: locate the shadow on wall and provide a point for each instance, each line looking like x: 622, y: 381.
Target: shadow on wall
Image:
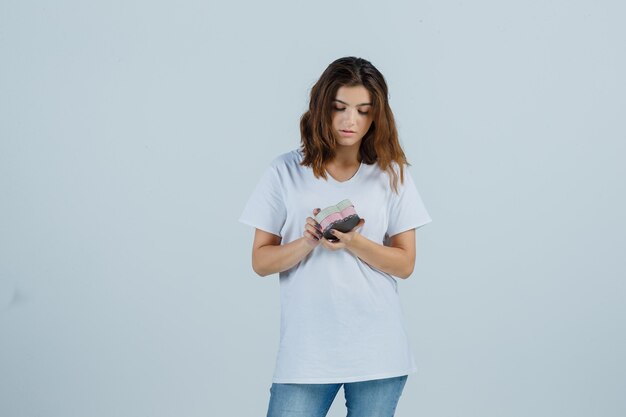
x: 10, y: 296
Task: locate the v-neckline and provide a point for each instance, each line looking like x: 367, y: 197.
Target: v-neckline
x: 356, y: 173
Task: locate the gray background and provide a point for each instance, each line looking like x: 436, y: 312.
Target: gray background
x: 133, y: 132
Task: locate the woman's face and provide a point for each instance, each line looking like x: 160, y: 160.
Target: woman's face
x: 352, y: 115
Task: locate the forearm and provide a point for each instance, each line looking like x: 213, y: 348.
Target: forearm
x: 271, y: 259
x: 388, y: 259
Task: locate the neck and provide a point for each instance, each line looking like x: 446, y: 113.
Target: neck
x: 346, y: 156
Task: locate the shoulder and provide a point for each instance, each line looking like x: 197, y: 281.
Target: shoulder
x: 287, y: 161
x: 401, y: 176
x: 394, y: 169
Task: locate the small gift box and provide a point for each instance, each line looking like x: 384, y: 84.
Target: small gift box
x: 340, y: 216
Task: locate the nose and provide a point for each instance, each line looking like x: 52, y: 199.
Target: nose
x: 350, y: 117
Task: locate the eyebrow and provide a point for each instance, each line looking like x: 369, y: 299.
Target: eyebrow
x: 362, y: 104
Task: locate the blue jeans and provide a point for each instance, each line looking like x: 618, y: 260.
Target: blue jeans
x: 374, y: 398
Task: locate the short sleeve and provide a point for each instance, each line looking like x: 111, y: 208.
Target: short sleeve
x: 265, y: 208
x: 406, y: 209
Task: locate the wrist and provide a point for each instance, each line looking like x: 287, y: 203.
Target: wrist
x: 355, y: 241
x: 308, y: 243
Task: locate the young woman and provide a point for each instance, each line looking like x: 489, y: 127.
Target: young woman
x: 341, y: 318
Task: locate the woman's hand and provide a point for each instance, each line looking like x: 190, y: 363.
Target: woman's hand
x: 313, y: 230
x: 344, y: 238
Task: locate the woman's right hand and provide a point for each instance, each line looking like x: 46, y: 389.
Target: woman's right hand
x: 313, y: 230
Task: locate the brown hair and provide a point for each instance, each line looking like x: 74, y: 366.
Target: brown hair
x: 379, y: 145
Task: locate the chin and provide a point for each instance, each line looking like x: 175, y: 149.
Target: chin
x: 348, y: 141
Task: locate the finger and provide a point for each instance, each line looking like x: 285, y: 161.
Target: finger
x: 318, y: 231
x: 312, y: 221
x: 336, y: 233
x: 314, y: 225
x: 336, y: 241
x: 359, y: 224
x: 315, y: 211
x: 313, y: 235
x: 314, y: 230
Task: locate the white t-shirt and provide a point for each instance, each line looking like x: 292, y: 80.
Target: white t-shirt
x: 341, y: 319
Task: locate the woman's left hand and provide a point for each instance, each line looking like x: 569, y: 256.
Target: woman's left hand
x: 344, y: 238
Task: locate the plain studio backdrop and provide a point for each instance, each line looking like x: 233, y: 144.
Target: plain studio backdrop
x: 133, y: 132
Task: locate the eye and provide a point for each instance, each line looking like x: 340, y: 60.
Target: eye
x: 343, y: 108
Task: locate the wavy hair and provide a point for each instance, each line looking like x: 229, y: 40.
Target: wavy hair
x: 379, y: 145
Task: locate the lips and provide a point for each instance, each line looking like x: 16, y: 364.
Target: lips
x: 348, y: 131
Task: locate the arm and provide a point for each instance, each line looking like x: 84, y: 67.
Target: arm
x: 270, y: 257
x: 398, y: 259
